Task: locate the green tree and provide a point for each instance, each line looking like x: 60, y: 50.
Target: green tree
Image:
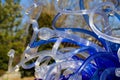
x: 10, y: 34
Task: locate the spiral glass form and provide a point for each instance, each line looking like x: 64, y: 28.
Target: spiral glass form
x: 87, y: 60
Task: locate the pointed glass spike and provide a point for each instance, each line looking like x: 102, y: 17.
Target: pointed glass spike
x: 11, y: 53
x: 11, y: 57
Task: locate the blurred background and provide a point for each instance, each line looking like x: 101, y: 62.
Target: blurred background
x: 14, y: 33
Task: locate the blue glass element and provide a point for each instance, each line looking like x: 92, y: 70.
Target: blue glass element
x: 83, y: 61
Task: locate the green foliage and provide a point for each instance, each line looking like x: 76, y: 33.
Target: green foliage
x: 10, y: 34
x: 27, y: 73
x: 10, y: 12
x: 45, y: 20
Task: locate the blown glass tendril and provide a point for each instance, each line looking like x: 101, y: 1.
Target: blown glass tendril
x: 94, y: 56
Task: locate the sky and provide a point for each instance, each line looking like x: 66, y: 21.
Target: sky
x: 3, y: 1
